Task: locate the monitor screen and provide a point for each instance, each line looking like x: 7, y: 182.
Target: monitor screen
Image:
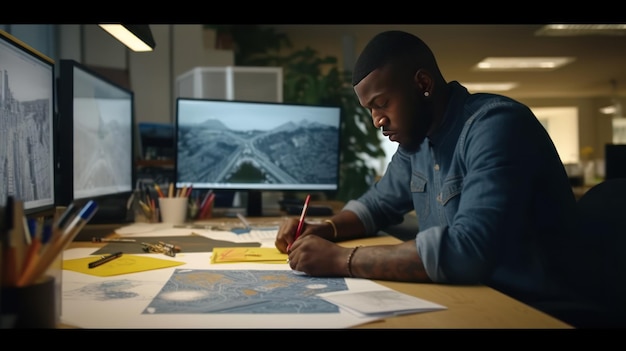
x: 96, y: 137
x: 26, y: 126
x: 257, y: 146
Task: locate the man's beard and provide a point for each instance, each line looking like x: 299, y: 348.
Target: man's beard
x: 419, y: 130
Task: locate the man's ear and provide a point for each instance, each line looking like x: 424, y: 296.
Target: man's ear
x: 424, y: 81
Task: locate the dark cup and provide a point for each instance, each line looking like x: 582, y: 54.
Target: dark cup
x: 31, y: 306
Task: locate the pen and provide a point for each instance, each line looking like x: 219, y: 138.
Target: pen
x: 113, y: 240
x: 60, y: 223
x: 56, y: 247
x: 301, y: 222
x: 105, y: 259
x: 205, y: 199
x: 204, y: 209
x: 243, y: 220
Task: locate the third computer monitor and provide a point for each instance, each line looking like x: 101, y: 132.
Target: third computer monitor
x: 257, y: 146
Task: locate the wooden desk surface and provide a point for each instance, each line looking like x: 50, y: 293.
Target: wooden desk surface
x: 467, y: 306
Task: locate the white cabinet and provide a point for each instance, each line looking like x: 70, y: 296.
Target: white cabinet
x: 264, y: 84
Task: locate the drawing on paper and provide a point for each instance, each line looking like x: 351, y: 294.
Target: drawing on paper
x: 244, y: 291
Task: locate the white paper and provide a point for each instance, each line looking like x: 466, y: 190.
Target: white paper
x: 380, y: 302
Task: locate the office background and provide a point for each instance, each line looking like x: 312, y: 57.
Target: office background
x: 181, y: 47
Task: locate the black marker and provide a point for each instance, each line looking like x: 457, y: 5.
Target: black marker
x: 105, y: 259
x: 112, y: 240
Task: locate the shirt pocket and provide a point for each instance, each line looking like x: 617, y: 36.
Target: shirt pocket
x: 450, y: 196
x: 420, y: 196
x: 451, y: 189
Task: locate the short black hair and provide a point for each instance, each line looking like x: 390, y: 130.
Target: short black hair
x: 386, y: 46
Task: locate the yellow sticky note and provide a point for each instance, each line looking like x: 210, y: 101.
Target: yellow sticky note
x: 122, y: 265
x: 247, y: 254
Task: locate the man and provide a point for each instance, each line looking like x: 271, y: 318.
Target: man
x: 492, y: 198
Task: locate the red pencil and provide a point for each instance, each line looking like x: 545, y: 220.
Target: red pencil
x: 204, y: 210
x: 301, y: 222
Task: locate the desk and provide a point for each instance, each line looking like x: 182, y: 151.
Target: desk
x: 467, y: 306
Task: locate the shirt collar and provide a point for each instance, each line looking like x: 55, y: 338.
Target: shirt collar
x: 454, y: 111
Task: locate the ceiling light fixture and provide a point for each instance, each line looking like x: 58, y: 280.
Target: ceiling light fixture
x: 522, y: 63
x: 136, y: 37
x: 581, y: 29
x: 615, y: 109
x: 481, y: 87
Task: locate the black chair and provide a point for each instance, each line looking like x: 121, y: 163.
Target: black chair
x: 602, y: 220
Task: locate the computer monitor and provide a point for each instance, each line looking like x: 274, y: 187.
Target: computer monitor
x: 96, y: 131
x: 257, y: 146
x: 26, y: 126
x: 614, y: 161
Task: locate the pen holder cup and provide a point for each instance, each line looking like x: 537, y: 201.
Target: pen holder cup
x: 32, y: 306
x: 173, y: 209
x: 144, y: 211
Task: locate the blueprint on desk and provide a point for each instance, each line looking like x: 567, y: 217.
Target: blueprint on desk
x: 244, y: 291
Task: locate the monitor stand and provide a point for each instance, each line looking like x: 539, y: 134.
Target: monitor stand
x: 254, y: 207
x: 111, y: 210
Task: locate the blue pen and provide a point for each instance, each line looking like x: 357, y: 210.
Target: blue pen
x: 32, y: 227
x: 46, y: 233
x: 65, y: 216
x: 81, y: 219
x: 56, y: 247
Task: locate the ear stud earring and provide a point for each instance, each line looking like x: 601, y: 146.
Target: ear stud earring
x: 426, y: 94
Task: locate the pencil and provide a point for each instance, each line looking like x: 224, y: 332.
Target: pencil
x: 32, y: 255
x: 171, y: 190
x: 301, y: 221
x: 158, y: 190
x: 17, y: 239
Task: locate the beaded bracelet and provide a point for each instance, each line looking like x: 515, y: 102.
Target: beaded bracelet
x: 350, y: 261
x: 332, y: 224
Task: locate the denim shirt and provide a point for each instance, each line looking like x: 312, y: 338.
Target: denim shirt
x: 492, y: 198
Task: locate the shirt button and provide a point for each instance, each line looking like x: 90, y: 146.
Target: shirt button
x: 436, y: 167
x: 439, y: 197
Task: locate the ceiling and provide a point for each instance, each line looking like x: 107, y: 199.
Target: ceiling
x: 598, y: 58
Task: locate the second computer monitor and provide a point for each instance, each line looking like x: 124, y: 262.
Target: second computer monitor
x: 257, y: 146
x: 96, y: 136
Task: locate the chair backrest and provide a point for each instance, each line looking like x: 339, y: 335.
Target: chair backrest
x: 602, y: 219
